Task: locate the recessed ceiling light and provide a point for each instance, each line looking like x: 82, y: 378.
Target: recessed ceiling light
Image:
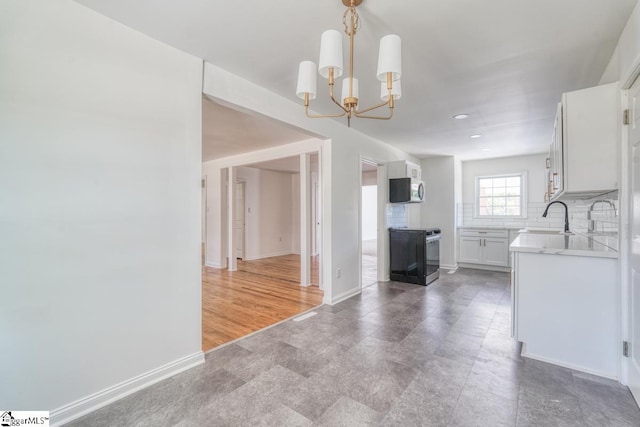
x: 461, y: 116
x: 477, y: 135
x: 486, y: 149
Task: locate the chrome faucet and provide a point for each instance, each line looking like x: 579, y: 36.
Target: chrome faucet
x: 566, y: 214
x: 592, y: 223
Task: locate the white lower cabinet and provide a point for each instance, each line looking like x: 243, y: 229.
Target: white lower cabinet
x: 565, y: 311
x: 484, y: 247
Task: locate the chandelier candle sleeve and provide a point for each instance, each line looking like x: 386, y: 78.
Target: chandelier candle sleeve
x: 389, y: 57
x: 330, y: 53
x: 396, y: 90
x: 345, y: 90
x: 307, y: 80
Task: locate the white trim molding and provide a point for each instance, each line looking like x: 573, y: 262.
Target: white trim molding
x: 214, y: 265
x: 342, y: 296
x: 104, y: 397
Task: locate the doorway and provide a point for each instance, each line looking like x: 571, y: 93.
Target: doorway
x: 266, y: 231
x: 369, y: 223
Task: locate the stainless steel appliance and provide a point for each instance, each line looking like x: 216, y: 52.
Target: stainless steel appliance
x: 406, y: 190
x: 414, y: 255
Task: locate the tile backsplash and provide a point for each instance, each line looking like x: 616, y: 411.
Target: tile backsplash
x: 397, y: 215
x: 606, y: 217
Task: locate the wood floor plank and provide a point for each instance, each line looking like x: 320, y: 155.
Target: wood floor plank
x: 259, y: 294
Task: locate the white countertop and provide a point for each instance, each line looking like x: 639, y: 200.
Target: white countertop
x: 559, y: 244
x: 488, y: 227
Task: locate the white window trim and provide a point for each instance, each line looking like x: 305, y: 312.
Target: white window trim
x: 523, y: 197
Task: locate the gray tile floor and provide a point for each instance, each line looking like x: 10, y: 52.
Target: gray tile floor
x: 398, y: 354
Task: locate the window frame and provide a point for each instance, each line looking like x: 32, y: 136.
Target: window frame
x: 523, y: 196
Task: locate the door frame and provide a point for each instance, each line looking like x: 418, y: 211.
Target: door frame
x: 380, y: 217
x: 624, y: 233
x: 243, y: 185
x: 204, y: 209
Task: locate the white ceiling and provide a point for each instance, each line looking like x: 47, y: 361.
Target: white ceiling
x: 227, y: 132
x: 505, y: 62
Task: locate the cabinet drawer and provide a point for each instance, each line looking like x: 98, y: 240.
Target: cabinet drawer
x: 476, y: 232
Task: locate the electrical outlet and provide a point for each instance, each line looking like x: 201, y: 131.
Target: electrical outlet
x: 338, y: 273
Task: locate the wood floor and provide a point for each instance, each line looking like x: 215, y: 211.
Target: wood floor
x: 259, y: 294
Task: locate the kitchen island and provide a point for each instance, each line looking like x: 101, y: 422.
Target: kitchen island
x: 565, y: 301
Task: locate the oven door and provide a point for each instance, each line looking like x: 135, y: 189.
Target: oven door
x: 432, y: 256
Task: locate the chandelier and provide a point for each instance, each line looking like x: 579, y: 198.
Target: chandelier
x: 330, y: 67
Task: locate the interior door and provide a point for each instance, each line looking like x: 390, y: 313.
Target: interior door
x: 634, y: 297
x: 239, y: 222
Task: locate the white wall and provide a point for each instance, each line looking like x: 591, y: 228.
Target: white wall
x: 269, y: 204
x: 341, y: 156
x: 100, y: 206
x: 439, y: 208
x: 534, y: 165
x: 625, y: 61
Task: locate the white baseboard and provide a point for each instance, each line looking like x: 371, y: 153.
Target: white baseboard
x: 102, y: 398
x: 485, y: 267
x: 342, y: 296
x: 453, y: 267
x: 213, y: 265
x: 261, y: 256
x: 568, y: 365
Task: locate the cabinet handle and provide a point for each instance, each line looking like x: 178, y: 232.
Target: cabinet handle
x: 555, y: 180
x: 548, y: 163
x: 480, y: 242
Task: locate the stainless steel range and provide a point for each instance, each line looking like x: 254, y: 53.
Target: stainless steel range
x: 414, y: 254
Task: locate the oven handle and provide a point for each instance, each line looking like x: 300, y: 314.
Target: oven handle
x: 432, y: 238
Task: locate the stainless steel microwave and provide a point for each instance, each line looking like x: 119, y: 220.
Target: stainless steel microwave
x: 406, y: 190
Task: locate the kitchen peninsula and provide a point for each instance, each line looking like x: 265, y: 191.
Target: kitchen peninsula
x: 565, y: 300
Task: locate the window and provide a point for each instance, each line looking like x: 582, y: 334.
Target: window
x: 500, y: 196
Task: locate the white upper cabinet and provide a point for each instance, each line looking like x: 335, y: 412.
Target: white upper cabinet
x: 403, y: 169
x: 585, y: 144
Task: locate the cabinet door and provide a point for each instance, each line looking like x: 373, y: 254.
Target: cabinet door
x: 556, y: 155
x: 470, y: 249
x: 496, y: 252
x: 591, y: 139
